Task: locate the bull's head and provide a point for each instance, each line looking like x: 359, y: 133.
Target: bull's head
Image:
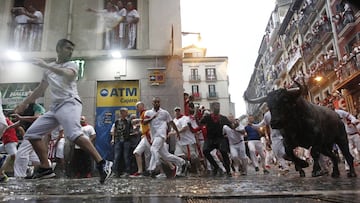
x: 280, y: 102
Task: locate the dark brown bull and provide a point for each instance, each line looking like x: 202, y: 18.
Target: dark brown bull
x: 304, y: 124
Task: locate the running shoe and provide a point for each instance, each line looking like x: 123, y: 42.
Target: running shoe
x: 43, y: 173
x: 104, y: 168
x: 136, y: 175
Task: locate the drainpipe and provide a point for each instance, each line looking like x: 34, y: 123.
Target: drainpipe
x: 70, y: 16
x: 333, y: 29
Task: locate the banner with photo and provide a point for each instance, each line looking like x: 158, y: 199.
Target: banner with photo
x: 15, y: 93
x: 110, y: 97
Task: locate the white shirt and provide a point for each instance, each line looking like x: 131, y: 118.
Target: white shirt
x: 186, y: 137
x: 21, y: 19
x: 88, y: 131
x: 158, y: 126
x: 131, y: 15
x: 233, y: 137
x: 39, y: 17
x: 346, y: 115
x: 61, y: 88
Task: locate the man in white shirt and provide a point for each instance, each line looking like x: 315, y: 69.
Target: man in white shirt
x: 186, y: 142
x: 65, y: 110
x: 160, y: 121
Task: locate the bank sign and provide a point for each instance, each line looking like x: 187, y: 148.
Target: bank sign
x: 111, y: 96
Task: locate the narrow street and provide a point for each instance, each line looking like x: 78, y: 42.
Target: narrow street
x: 255, y: 187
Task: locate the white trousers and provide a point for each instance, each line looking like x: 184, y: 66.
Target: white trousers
x: 158, y: 150
x: 24, y: 154
x: 255, y: 146
x: 279, y: 151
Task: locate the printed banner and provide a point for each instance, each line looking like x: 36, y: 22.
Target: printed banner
x: 111, y: 96
x: 15, y: 93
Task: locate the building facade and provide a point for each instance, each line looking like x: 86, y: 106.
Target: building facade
x: 315, y: 43
x: 152, y: 67
x: 206, y: 79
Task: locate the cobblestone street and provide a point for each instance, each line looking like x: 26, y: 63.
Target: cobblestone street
x: 251, y: 188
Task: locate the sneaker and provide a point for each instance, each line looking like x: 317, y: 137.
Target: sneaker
x: 161, y: 175
x: 266, y: 171
x: 153, y: 174
x: 43, y: 173
x: 136, y: 175
x: 184, y: 168
x: 30, y: 172
x: 256, y: 169
x: 104, y: 168
x: 4, y: 178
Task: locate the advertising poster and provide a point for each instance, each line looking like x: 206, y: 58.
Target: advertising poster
x: 15, y: 93
x: 110, y: 97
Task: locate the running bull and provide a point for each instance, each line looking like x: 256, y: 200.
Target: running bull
x: 304, y: 124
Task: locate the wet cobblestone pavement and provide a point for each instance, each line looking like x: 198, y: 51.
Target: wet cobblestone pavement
x: 251, y: 188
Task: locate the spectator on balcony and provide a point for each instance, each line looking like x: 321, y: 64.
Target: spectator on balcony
x: 21, y: 28
x: 35, y: 27
x: 337, y: 19
x: 121, y: 12
x: 108, y: 20
x: 132, y: 19
x: 348, y: 14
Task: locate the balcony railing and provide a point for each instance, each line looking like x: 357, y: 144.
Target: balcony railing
x: 194, y: 78
x: 212, y: 95
x: 27, y: 36
x: 211, y: 78
x: 196, y: 96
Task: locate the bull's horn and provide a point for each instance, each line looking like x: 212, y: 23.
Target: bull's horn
x: 255, y: 100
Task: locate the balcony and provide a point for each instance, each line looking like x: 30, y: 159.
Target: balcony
x: 196, y: 96
x: 211, y: 78
x: 194, y: 78
x: 212, y: 95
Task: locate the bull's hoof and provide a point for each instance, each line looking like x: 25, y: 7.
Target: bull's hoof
x: 351, y: 175
x: 302, y: 173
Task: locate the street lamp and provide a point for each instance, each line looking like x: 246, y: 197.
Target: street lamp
x: 192, y: 33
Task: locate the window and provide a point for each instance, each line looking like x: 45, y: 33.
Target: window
x: 194, y: 74
x: 118, y: 21
x: 195, y: 89
x: 210, y: 73
x: 212, y: 91
x: 27, y: 25
x: 195, y: 92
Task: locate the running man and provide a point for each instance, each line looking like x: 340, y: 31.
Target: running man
x: 65, y: 110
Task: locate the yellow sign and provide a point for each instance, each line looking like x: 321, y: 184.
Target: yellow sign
x: 117, y: 93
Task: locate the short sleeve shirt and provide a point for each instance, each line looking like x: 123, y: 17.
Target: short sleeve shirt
x: 186, y: 137
x: 61, y: 87
x: 158, y: 126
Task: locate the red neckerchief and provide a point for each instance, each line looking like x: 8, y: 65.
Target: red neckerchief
x: 215, y: 117
x: 83, y: 124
